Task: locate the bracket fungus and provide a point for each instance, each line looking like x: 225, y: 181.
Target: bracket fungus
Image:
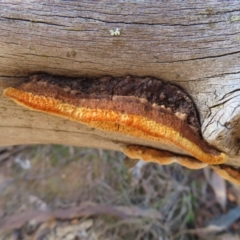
x: 142, y: 107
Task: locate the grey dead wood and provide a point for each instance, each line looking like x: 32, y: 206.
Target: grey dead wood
x: 193, y: 44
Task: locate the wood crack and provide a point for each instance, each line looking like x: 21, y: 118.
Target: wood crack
x: 32, y: 21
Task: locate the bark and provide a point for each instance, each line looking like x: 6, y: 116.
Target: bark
x: 193, y: 44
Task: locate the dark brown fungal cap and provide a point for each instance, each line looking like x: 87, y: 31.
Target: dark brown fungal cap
x: 154, y: 91
x: 147, y: 97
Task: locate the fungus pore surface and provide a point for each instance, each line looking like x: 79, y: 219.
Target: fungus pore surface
x: 142, y: 107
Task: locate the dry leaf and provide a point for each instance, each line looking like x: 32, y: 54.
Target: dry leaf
x: 218, y: 185
x: 236, y: 190
x: 224, y: 221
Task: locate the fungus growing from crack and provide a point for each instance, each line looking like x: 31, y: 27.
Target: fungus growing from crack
x: 142, y: 107
x: 163, y: 157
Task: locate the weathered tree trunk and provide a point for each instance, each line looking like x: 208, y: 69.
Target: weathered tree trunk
x: 196, y: 46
